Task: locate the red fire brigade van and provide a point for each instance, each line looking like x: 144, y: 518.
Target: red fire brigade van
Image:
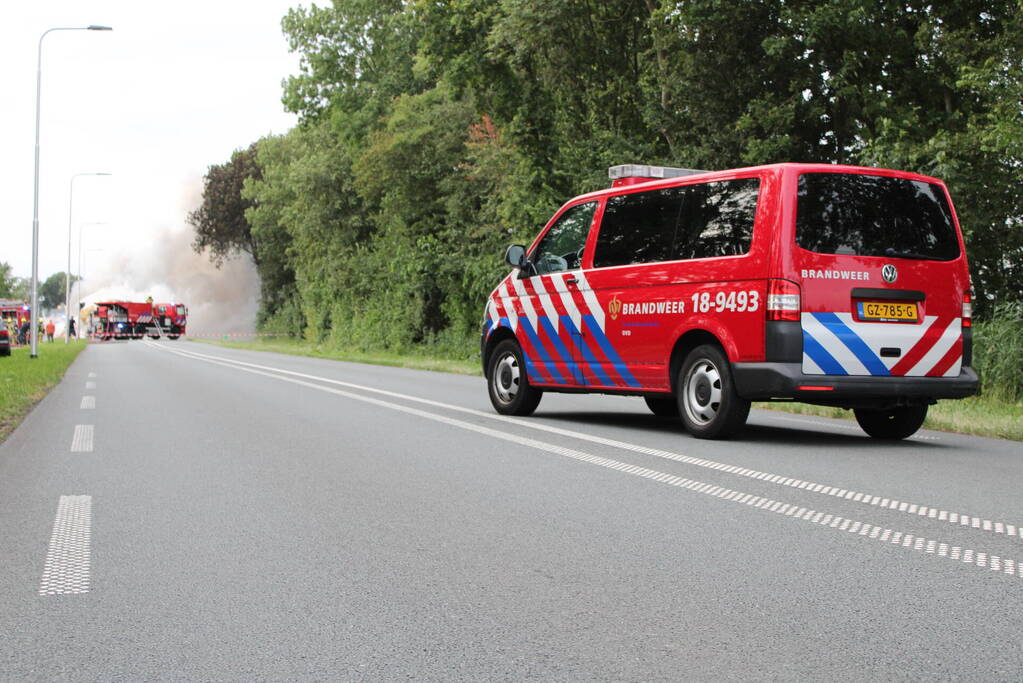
x: 704, y: 291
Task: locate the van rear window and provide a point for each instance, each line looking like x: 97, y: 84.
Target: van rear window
x: 867, y: 215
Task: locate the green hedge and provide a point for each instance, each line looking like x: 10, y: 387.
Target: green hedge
x: 998, y: 354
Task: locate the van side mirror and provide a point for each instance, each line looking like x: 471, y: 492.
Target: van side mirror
x: 515, y: 256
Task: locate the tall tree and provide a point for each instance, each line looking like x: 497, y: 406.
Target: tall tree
x: 53, y: 290
x: 219, y: 222
x: 355, y: 55
x: 8, y: 282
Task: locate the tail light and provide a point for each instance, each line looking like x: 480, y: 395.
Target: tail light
x: 967, y: 310
x: 783, y: 300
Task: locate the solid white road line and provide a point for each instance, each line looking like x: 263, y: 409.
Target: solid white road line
x: 81, y: 442
x: 68, y: 559
x: 88, y: 402
x: 859, y: 528
x: 863, y: 498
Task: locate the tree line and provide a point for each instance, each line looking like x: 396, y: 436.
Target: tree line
x: 51, y: 291
x: 433, y: 134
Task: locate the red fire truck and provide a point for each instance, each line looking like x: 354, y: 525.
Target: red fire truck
x: 134, y: 320
x: 14, y: 313
x: 110, y: 321
x: 172, y: 319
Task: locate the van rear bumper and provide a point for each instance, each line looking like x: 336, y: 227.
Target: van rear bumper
x: 763, y: 381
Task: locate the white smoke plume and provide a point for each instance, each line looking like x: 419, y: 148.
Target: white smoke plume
x: 220, y: 301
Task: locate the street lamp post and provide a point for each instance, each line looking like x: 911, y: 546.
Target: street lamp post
x: 35, y: 193
x: 67, y: 279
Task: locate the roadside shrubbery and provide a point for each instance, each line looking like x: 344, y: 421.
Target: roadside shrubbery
x: 432, y: 135
x: 998, y: 354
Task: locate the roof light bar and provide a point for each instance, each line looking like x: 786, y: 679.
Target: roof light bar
x: 645, y: 171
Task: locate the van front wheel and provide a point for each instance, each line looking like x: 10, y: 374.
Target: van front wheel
x: 507, y: 384
x: 707, y: 400
x: 892, y: 424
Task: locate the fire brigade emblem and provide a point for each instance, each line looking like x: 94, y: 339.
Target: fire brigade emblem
x: 614, y: 307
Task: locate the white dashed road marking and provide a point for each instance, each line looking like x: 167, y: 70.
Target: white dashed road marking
x: 92, y: 374
x: 90, y: 385
x: 68, y: 558
x: 871, y: 531
x: 88, y: 402
x: 81, y: 442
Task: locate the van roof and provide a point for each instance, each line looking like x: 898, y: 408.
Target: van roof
x: 692, y: 176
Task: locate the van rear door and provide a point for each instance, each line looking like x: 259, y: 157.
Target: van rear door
x: 882, y: 273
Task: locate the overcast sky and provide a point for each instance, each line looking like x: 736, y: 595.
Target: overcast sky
x: 175, y: 87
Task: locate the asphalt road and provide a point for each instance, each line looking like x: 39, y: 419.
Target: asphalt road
x: 231, y: 515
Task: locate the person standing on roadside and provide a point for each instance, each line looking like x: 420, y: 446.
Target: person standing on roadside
x: 49, y: 330
x: 71, y: 330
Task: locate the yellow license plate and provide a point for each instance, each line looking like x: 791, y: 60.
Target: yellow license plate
x: 886, y: 311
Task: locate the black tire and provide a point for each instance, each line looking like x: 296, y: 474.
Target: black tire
x: 173, y: 336
x: 5, y: 351
x: 662, y: 407
x: 507, y: 384
x: 707, y: 401
x: 892, y: 424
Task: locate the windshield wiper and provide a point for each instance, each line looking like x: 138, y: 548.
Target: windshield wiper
x: 894, y: 253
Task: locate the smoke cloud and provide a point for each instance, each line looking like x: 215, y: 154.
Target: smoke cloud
x: 220, y: 301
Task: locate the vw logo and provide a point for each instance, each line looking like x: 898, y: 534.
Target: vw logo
x: 888, y: 273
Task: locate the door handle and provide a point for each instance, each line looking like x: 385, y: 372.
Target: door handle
x: 571, y: 280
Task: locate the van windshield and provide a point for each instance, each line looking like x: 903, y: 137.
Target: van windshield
x: 867, y: 215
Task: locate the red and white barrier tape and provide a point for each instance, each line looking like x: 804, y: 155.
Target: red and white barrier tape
x: 223, y: 335
x: 199, y: 335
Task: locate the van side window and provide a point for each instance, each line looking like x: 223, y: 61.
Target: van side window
x: 562, y: 247
x: 638, y: 227
x: 717, y: 219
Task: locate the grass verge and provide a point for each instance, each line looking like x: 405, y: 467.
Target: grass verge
x: 977, y: 415
x: 24, y: 381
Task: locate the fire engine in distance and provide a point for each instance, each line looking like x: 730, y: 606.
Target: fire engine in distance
x: 134, y: 320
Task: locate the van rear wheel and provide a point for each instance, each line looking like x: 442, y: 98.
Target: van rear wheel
x: 707, y: 400
x: 507, y: 384
x: 892, y: 424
